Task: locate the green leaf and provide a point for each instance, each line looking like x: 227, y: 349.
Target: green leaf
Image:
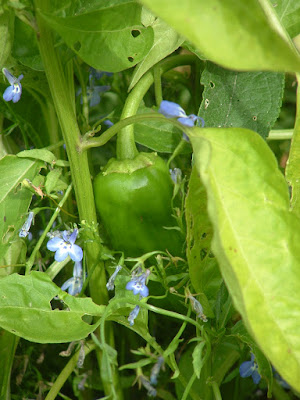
x: 198, y: 359
x: 226, y: 353
x: 203, y: 269
x: 243, y: 35
x: 8, y: 344
x: 256, y: 238
x: 241, y: 99
x: 38, y: 154
x: 26, y: 310
x: 14, y: 201
x: 105, y: 39
x: 6, y: 35
x: 53, y: 181
x: 25, y: 48
x: 289, y: 15
x: 158, y: 136
x: 166, y: 40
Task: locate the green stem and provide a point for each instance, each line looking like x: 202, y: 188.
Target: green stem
x: 157, y: 85
x: 88, y: 143
x: 125, y: 144
x: 216, y: 390
x: 66, y: 372
x: 280, y: 134
x: 30, y: 261
x: 188, y: 387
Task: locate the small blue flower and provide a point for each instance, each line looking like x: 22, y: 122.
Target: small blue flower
x: 110, y: 284
x: 138, y: 285
x: 132, y: 316
x: 197, y: 307
x: 155, y: 370
x: 176, y: 175
x: 173, y: 110
x: 151, y: 391
x: 250, y: 368
x: 108, y: 123
x: 65, y: 246
x: 14, y: 91
x: 24, y: 231
x: 74, y: 284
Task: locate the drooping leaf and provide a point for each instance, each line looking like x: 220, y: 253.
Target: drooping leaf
x: 14, y: 201
x: 166, y: 40
x: 26, y: 310
x: 243, y: 35
x: 38, y: 154
x: 8, y: 344
x: 256, y: 238
x: 203, y: 269
x: 241, y: 99
x: 103, y: 38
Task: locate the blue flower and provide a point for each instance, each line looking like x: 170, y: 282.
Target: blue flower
x: 173, y: 110
x: 197, y: 307
x: 74, y: 284
x: 155, y: 370
x: 132, y: 316
x: 65, y: 246
x: 14, y: 91
x: 24, y: 231
x: 151, y: 391
x: 138, y: 285
x: 250, y: 368
x: 110, y: 284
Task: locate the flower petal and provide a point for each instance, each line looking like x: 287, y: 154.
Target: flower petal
x: 67, y: 284
x: 256, y: 377
x: 8, y: 94
x: 130, y: 285
x: 246, y: 369
x: 144, y: 292
x: 54, y: 244
x: 61, y: 254
x: 186, y: 121
x: 76, y: 252
x: 72, y: 237
x: 16, y: 97
x: 170, y: 109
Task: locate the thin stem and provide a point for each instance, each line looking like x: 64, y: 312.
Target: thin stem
x: 31, y: 259
x: 189, y: 386
x: 66, y: 372
x: 216, y: 390
x: 112, y: 131
x: 280, y: 134
x: 157, y: 85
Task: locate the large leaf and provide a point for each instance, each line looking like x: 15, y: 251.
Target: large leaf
x: 243, y: 35
x: 14, y: 201
x: 256, y: 239
x: 26, y: 310
x: 166, y: 40
x: 241, y: 99
x: 105, y: 39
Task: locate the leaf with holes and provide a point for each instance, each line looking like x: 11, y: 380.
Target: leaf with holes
x: 242, y: 35
x: 256, y: 238
x: 105, y: 39
x: 166, y: 40
x: 241, y: 99
x: 14, y: 200
x: 26, y: 310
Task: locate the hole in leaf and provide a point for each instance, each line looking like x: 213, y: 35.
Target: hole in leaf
x: 254, y: 118
x: 135, y: 33
x: 212, y: 85
x: 77, y: 46
x: 130, y: 59
x: 8, y: 234
x: 88, y: 319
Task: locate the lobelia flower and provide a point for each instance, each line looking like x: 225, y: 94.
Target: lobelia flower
x: 24, y: 231
x: 110, y: 284
x: 132, y: 316
x: 176, y: 175
x: 197, y: 307
x: 93, y: 91
x: 173, y: 110
x: 74, y: 284
x: 14, y: 91
x: 250, y: 368
x: 155, y: 370
x: 138, y: 284
x: 150, y: 389
x: 65, y: 246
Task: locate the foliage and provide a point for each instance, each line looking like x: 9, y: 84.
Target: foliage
x: 184, y: 277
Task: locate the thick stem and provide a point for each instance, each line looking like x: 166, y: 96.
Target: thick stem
x: 125, y: 144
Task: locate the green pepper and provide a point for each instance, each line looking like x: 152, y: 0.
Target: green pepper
x: 133, y: 198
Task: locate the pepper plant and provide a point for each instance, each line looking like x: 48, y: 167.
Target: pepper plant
x: 149, y: 197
